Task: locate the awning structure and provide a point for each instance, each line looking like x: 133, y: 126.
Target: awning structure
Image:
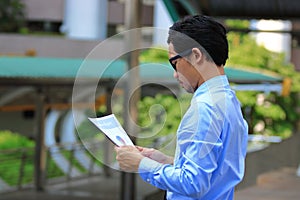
x: 30, y: 70
x: 38, y: 72
x: 257, y: 80
x: 23, y: 76
x: 254, y: 9
x: 238, y: 9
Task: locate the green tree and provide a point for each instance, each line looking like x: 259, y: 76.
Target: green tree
x: 12, y: 17
x: 278, y: 112
x: 159, y: 116
x: 154, y: 54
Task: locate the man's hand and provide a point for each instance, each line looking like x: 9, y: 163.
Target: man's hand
x: 129, y: 158
x: 155, y: 155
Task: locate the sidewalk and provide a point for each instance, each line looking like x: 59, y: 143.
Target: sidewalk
x: 91, y: 188
x: 281, y: 184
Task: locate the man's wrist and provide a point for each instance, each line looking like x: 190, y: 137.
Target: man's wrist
x: 139, y: 160
x: 169, y: 160
x: 148, y: 165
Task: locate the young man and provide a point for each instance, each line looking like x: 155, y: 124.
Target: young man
x: 212, y: 136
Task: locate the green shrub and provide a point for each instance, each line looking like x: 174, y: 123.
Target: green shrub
x: 20, y: 150
x: 17, y: 151
x: 10, y: 140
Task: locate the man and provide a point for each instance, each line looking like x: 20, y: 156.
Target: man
x: 212, y: 136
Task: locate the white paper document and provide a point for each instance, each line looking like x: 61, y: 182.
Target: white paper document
x: 112, y: 128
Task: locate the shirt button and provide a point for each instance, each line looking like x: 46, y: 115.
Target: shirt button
x: 148, y: 180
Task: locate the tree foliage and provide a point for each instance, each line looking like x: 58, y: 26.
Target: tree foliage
x: 12, y: 16
x: 160, y: 116
x: 277, y: 112
x: 155, y: 54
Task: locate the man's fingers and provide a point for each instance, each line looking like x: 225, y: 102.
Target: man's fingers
x: 139, y: 148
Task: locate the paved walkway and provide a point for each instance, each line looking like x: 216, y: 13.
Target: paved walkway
x: 281, y: 184
x: 92, y: 188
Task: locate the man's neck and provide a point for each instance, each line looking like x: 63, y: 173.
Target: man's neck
x: 208, y: 71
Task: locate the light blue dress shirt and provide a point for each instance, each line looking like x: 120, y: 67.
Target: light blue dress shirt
x: 211, y: 147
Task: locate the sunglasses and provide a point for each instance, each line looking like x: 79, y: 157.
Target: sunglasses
x: 180, y: 55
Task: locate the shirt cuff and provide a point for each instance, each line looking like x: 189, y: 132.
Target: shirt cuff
x: 149, y: 165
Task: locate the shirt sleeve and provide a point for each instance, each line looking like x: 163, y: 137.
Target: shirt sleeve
x: 199, y: 152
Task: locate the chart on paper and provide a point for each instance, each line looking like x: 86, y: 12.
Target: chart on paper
x: 112, y: 128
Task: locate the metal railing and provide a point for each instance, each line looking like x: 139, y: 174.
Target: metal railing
x: 16, y: 168
x: 64, y: 163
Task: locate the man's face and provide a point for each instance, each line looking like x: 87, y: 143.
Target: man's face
x: 185, y: 73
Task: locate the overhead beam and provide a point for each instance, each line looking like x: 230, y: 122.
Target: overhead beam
x: 172, y: 9
x: 9, y: 96
x: 254, y: 9
x: 56, y: 106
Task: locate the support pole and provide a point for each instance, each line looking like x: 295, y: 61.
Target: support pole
x: 40, y: 148
x: 132, y: 88
x: 108, y: 145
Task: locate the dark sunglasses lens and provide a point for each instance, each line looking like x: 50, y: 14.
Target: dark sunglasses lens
x: 171, y: 60
x: 174, y: 66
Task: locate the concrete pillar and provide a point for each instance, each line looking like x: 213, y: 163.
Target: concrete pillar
x: 85, y: 19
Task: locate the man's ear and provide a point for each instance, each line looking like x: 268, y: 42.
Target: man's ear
x: 197, y: 55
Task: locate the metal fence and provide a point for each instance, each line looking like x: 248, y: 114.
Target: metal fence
x: 16, y: 168
x: 64, y: 163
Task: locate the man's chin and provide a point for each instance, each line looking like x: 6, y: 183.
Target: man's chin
x: 187, y: 89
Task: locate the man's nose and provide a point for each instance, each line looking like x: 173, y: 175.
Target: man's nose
x: 175, y: 74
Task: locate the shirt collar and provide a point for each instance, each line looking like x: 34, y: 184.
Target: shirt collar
x: 212, y: 84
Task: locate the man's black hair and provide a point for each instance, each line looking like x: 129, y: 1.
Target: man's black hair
x: 202, y: 32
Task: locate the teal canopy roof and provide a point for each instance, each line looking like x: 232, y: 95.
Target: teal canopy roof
x: 36, y: 68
